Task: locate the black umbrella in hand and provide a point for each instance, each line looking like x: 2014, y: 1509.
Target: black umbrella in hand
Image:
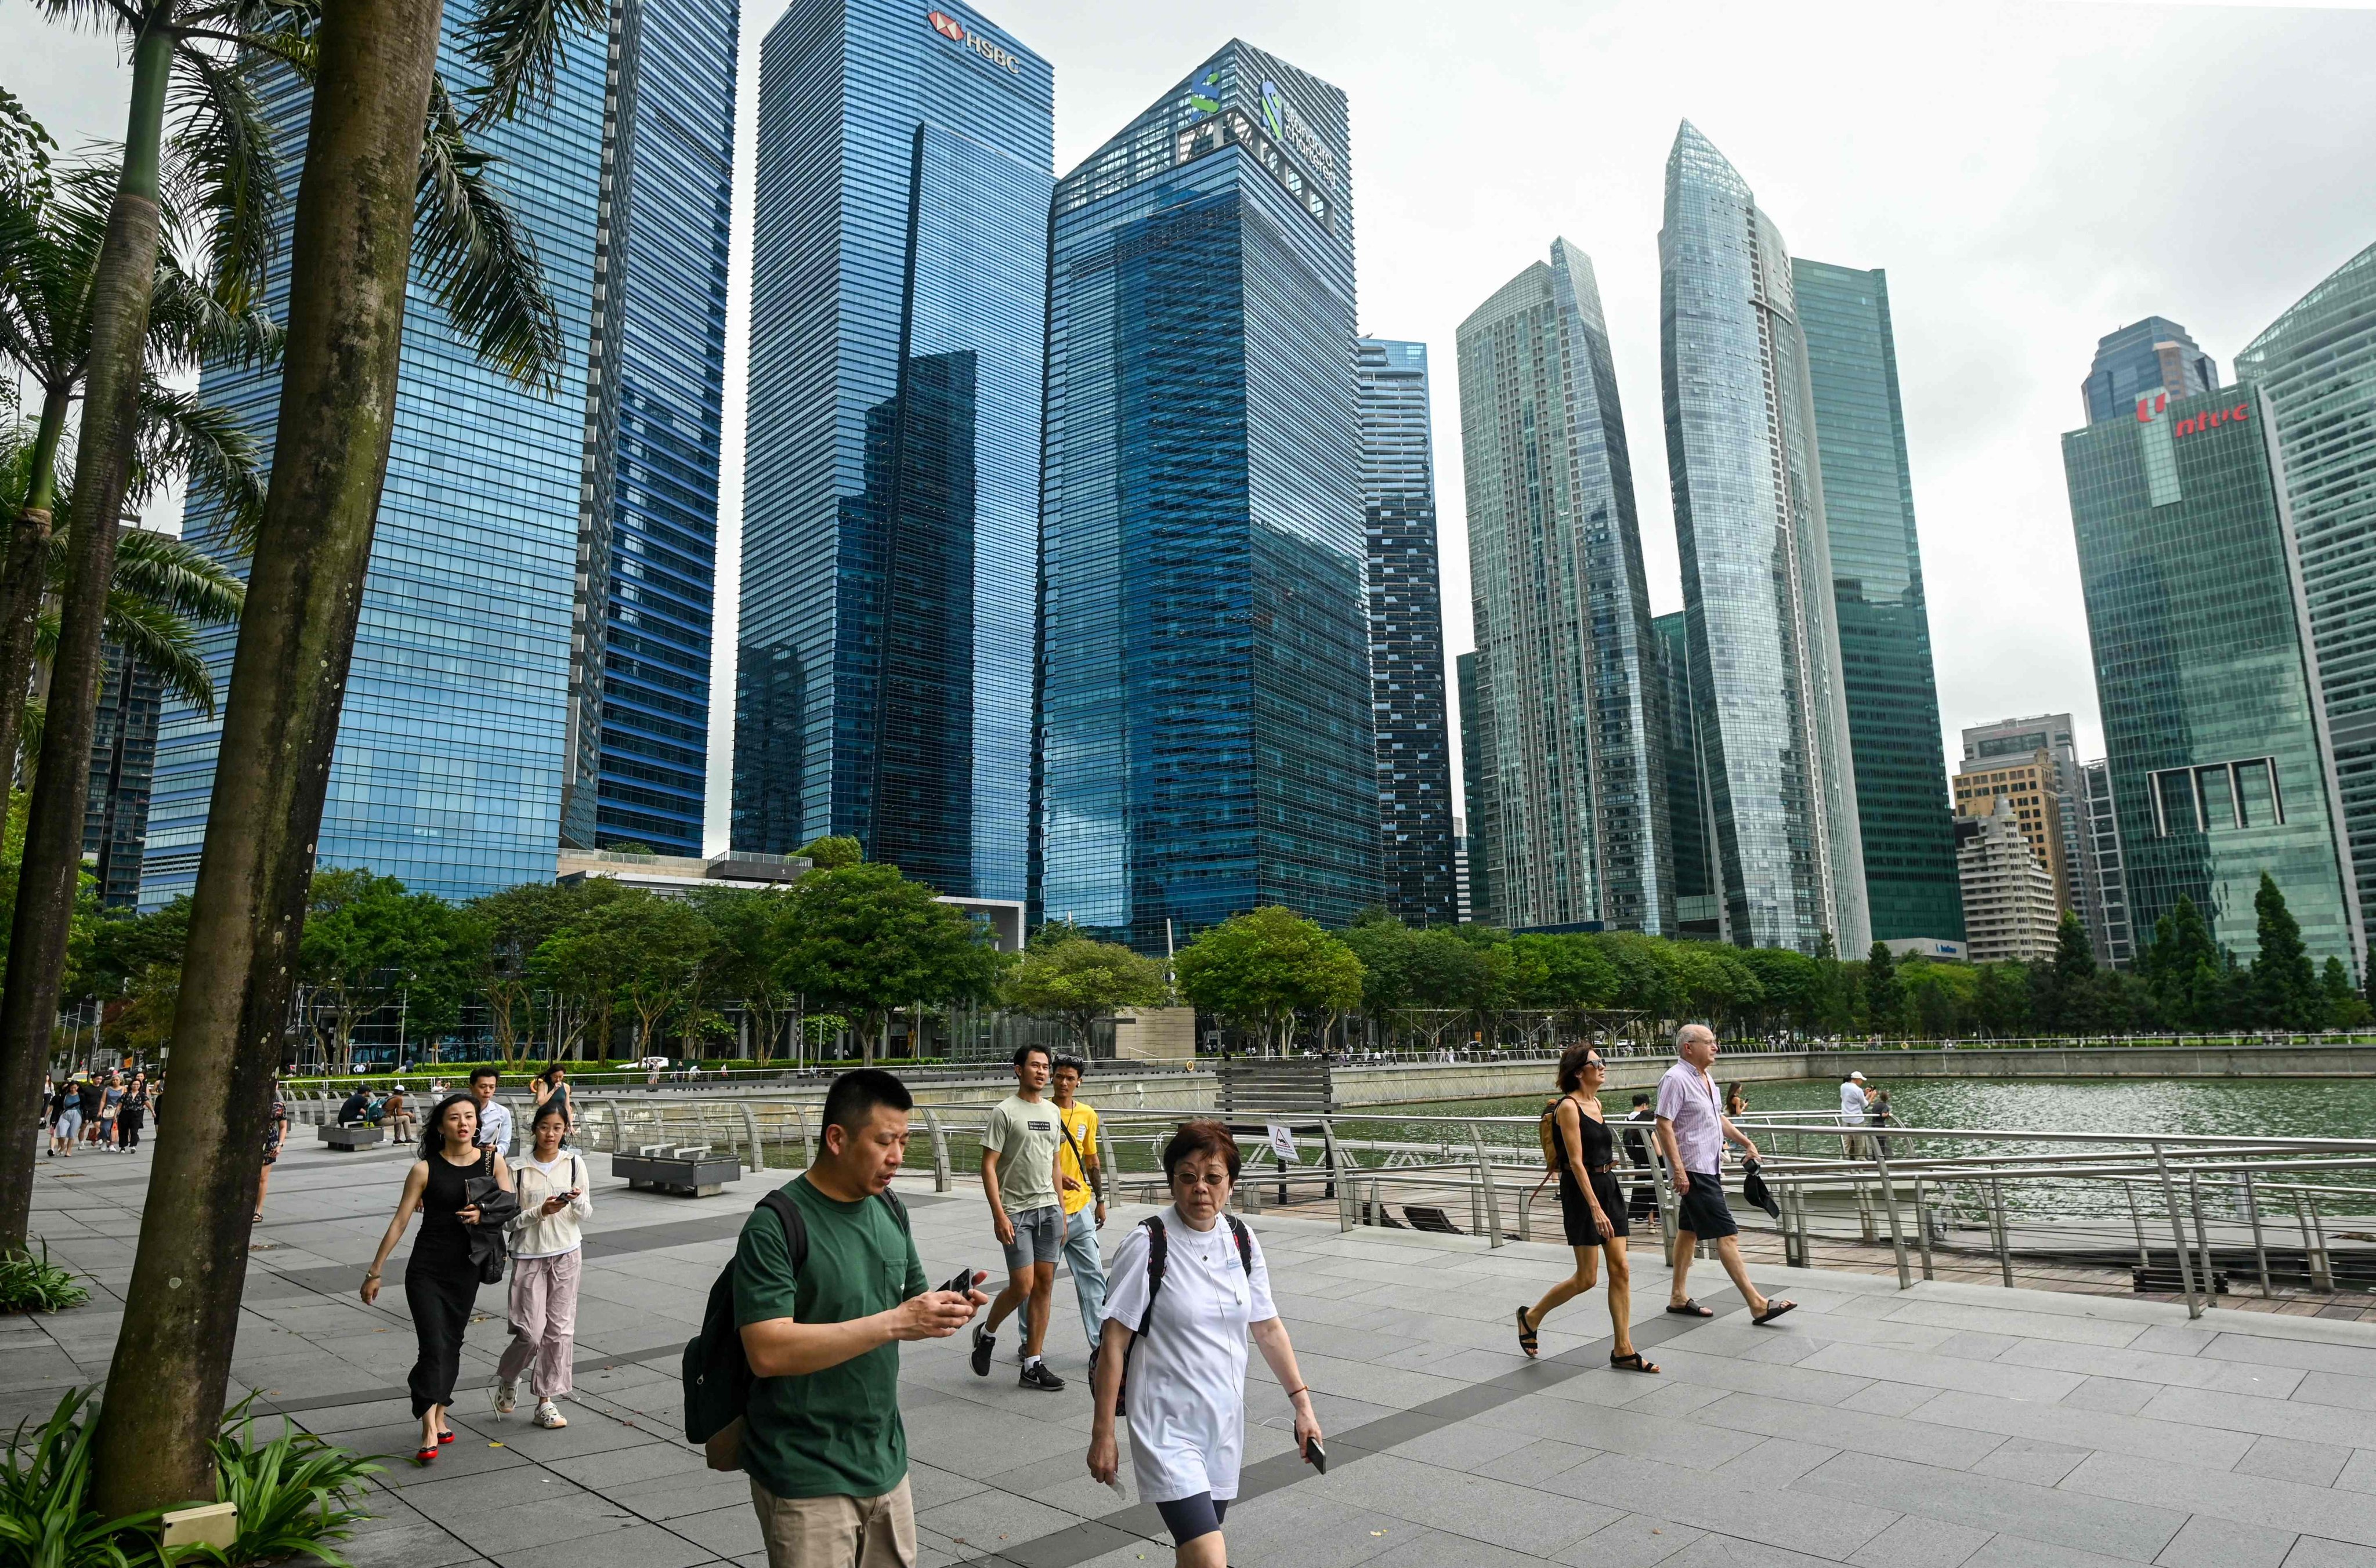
x: 1753, y: 1188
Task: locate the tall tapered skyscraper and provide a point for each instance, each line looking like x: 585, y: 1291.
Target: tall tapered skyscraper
x: 1207, y: 743
x: 1415, y: 799
x: 892, y: 493
x: 1576, y: 829
x: 1742, y: 459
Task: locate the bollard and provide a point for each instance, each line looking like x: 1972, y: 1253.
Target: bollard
x: 1485, y: 1187
x: 2178, y: 1232
x: 2259, y: 1248
x: 940, y: 1148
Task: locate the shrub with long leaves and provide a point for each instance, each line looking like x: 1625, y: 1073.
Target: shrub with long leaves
x: 46, y: 1520
x: 29, y: 1284
x: 295, y: 1494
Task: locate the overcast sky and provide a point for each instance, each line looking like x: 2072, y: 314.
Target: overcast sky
x: 2031, y: 175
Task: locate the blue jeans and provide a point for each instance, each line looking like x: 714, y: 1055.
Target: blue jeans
x: 1089, y: 1270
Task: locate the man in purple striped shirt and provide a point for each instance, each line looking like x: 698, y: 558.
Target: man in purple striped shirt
x: 1693, y: 1129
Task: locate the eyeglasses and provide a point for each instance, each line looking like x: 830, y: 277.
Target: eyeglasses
x: 1199, y: 1178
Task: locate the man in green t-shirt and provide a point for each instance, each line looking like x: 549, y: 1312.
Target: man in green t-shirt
x: 822, y: 1436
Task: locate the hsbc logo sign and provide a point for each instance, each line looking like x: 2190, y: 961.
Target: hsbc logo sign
x: 948, y: 27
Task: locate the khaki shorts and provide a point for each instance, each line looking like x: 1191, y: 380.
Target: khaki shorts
x: 837, y: 1532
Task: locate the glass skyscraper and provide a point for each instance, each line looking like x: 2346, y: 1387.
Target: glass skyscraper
x: 2219, y: 769
x: 2316, y: 368
x: 638, y: 736
x: 1577, y: 830
x: 892, y: 491
x: 1699, y: 912
x: 1742, y: 457
x: 1207, y: 740
x: 1908, y: 834
x: 1407, y: 634
x: 1475, y: 787
x: 450, y: 757
x: 2155, y: 355
x: 123, y: 767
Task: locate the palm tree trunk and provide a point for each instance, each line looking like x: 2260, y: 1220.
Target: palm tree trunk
x: 349, y: 254
x: 21, y: 580
x: 48, y: 879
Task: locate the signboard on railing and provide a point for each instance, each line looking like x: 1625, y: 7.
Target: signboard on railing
x: 1282, y: 1143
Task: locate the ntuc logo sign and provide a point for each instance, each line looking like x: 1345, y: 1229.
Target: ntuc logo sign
x: 2194, y: 423
x: 948, y: 27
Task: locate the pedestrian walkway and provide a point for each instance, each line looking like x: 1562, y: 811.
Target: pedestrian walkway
x: 1948, y: 1425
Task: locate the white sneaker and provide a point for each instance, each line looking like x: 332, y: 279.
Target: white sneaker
x: 548, y: 1414
x: 506, y: 1398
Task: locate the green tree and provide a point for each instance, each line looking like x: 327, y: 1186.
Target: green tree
x: 516, y: 922
x: 750, y: 926
x: 1792, y: 985
x: 2065, y: 997
x: 2001, y: 999
x: 1942, y: 998
x: 1259, y: 969
x: 833, y: 852
x: 2183, y: 972
x: 2285, y: 992
x: 369, y: 942
x: 1080, y: 982
x: 861, y: 940
x: 2344, y: 1010
x: 392, y: 199
x: 1885, y: 1002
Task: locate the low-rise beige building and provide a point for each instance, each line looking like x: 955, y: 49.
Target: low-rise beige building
x: 2029, y: 785
x: 2010, y: 911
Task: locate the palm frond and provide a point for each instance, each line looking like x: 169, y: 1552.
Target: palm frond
x: 519, y: 44
x: 223, y: 158
x: 178, y: 576
x: 190, y: 322
x: 165, y: 643
x: 207, y: 444
x: 29, y: 725
x: 24, y: 147
x: 481, y: 267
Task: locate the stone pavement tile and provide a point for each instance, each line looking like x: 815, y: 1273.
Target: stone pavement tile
x: 1771, y: 1466
x: 637, y: 1546
x: 1293, y: 1528
x: 1463, y: 1445
x: 1854, y: 1431
x: 451, y: 1497
x: 2249, y: 1500
x: 932, y: 1486
x: 2010, y: 1551
x: 503, y: 1532
x: 646, y: 1461
x: 2151, y: 1366
x: 1351, y: 1343
x: 1378, y: 1385
x: 1635, y: 1542
x: 2351, y: 1360
x: 2312, y: 1551
x: 1976, y: 1347
x: 1528, y: 1466
x: 2113, y: 1525
x: 2273, y: 1418
x: 2010, y: 1320
x: 1887, y: 1399
x: 1825, y: 1526
x: 2174, y: 1339
x: 2112, y: 1395
x: 336, y: 1420
x: 1421, y: 1547
x: 1462, y: 1362
x: 1738, y: 1338
x: 1715, y: 1549
x: 1617, y: 1431
x: 2359, y: 1475
x: 1478, y: 1507
x: 991, y: 1519
x: 2284, y: 1458
x: 412, y: 1541
x: 2206, y: 1542
x: 1915, y: 1541
x: 464, y: 1458
x: 1063, y: 1483
x: 1604, y: 1385
x: 1806, y: 1385
x: 2336, y: 1388
x: 978, y: 1442
x: 2033, y: 1460
x: 730, y: 1531
x: 2079, y: 1428
x: 588, y: 1431
x: 1897, y: 1365
x: 1672, y: 1398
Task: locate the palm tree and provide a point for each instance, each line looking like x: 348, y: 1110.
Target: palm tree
x: 391, y: 185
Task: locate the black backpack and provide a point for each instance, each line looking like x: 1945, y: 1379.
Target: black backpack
x: 716, y: 1377
x: 1158, y: 1249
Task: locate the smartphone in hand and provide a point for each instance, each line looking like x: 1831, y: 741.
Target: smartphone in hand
x: 962, y: 1283
x: 1315, y: 1456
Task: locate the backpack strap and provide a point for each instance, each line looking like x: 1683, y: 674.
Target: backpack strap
x: 1158, y: 1248
x: 898, y: 1210
x: 1245, y: 1238
x: 796, y: 1226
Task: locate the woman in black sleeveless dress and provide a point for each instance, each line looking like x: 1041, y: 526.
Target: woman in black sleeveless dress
x: 441, y: 1283
x: 1592, y: 1208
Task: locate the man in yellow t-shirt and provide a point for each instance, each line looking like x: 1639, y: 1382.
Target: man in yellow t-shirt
x: 1080, y: 1189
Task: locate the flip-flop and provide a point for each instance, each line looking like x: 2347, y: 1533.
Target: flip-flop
x: 1528, y: 1341
x: 1632, y: 1362
x: 1691, y: 1309
x: 1773, y: 1310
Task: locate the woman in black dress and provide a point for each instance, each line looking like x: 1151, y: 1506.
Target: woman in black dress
x: 1592, y: 1208
x: 441, y: 1283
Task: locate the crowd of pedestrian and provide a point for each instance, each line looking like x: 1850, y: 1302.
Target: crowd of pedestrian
x: 102, y: 1110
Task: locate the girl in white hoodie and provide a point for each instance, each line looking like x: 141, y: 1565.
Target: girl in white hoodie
x: 546, y: 1253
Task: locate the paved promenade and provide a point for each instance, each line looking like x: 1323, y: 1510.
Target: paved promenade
x: 1949, y: 1425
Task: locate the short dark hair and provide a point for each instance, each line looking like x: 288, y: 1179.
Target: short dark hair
x: 1202, y: 1136
x: 433, y: 1130
x: 1572, y: 1065
x: 1641, y: 1099
x: 1058, y: 1065
x: 1023, y: 1054
x: 850, y: 1104
x: 495, y: 1073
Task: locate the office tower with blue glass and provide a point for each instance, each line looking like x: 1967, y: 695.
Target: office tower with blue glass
x: 1742, y: 462
x: 2155, y: 357
x: 1577, y: 832
x: 1415, y: 803
x: 637, y: 745
x: 1206, y: 736
x: 2315, y: 369
x: 1699, y: 912
x: 451, y: 751
x: 2206, y: 677
x: 1477, y: 790
x: 123, y: 769
x: 891, y: 493
x: 1907, y: 830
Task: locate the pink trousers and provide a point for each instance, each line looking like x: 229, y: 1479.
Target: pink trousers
x: 544, y: 1322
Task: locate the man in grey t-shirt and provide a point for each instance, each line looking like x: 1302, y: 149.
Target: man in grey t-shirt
x: 1018, y: 1174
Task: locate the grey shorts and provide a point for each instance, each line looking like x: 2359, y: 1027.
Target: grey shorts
x: 1039, y: 1237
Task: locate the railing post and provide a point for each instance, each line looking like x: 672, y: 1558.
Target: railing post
x: 1340, y: 1185
x: 1922, y: 1226
x: 1889, y: 1202
x: 2310, y: 1259
x: 2177, y: 1232
x: 2202, y: 1235
x: 2000, y: 1231
x: 2137, y: 1223
x: 2325, y: 1255
x: 751, y: 1129
x: 808, y: 1140
x: 940, y: 1137
x: 1486, y: 1190
x: 2259, y: 1248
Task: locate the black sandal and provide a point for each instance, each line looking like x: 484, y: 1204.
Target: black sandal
x: 1526, y: 1339
x: 1773, y: 1310
x: 1632, y: 1362
x: 1691, y: 1309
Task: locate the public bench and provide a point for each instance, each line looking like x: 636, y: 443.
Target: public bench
x: 690, y: 1170
x: 349, y: 1138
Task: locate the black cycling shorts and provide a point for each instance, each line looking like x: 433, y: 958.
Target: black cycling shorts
x: 1188, y: 1517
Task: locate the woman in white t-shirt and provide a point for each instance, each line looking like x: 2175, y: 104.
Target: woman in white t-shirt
x: 547, y: 1250
x: 1187, y: 1375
